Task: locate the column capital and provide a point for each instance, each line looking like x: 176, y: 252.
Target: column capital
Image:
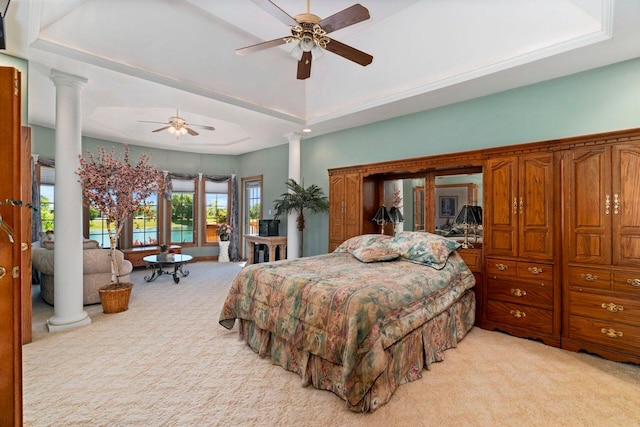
x: 294, y: 137
x: 60, y: 78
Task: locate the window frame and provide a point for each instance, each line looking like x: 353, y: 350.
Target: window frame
x: 195, y: 212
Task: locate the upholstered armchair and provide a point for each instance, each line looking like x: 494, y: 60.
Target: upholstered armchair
x: 96, y: 269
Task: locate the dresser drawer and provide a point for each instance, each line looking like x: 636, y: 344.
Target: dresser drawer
x: 534, y: 270
x: 501, y: 267
x: 521, y: 316
x: 473, y: 259
x: 521, y: 269
x: 627, y: 282
x: 536, y: 294
x: 604, y: 307
x: 610, y: 334
x: 588, y: 277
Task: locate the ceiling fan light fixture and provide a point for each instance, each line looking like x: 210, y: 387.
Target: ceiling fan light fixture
x: 307, y: 43
x: 171, y: 130
x: 183, y: 131
x: 297, y: 52
x: 316, y: 53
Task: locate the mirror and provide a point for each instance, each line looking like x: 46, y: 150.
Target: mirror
x: 451, y: 193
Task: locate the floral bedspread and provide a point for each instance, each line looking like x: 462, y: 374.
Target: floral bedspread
x: 344, y: 310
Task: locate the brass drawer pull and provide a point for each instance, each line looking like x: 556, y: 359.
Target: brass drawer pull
x: 613, y: 308
x: 535, y: 270
x: 589, y: 277
x: 616, y: 204
x: 518, y: 314
x: 518, y: 292
x: 502, y: 267
x: 634, y: 282
x: 611, y: 333
x: 607, y: 204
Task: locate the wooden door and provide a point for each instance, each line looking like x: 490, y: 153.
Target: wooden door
x: 10, y: 254
x: 345, y: 208
x: 587, y: 213
x: 535, y: 206
x: 625, y: 204
x: 500, y: 202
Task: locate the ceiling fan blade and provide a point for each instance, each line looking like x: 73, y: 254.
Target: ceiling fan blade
x: 350, y: 53
x: 147, y: 121
x: 260, y: 46
x: 349, y: 16
x: 158, y: 130
x: 191, y: 131
x: 274, y: 10
x: 203, y: 127
x: 304, y: 66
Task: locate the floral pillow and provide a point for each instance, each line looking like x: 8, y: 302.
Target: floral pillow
x: 376, y: 252
x: 364, y: 240
x: 423, y: 248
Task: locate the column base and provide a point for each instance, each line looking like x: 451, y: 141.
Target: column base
x: 57, y: 324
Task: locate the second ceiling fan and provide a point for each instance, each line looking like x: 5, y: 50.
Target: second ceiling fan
x: 309, y: 31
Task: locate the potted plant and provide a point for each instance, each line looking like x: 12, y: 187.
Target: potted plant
x: 300, y: 199
x: 117, y: 189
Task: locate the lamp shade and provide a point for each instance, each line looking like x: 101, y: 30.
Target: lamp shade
x: 477, y: 213
x: 396, y: 215
x: 382, y: 215
x: 467, y: 216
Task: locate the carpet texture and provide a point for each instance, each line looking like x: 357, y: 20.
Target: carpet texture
x: 167, y: 362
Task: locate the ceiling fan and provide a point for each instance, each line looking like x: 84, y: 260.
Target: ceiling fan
x: 178, y: 126
x: 309, y: 32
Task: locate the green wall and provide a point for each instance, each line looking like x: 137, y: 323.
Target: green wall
x: 600, y: 100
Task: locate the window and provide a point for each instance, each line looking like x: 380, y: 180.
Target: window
x: 145, y: 223
x: 47, y: 194
x: 98, y: 228
x: 182, y: 228
x: 216, y: 208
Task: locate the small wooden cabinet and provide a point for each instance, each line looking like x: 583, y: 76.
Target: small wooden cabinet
x: 601, y: 293
x: 473, y: 258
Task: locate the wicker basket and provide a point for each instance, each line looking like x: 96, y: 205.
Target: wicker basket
x: 115, y: 297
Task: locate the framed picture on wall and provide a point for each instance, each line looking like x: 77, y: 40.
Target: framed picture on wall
x: 447, y: 206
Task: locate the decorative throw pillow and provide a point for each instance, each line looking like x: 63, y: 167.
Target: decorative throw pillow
x: 376, y: 252
x: 356, y: 242
x: 423, y: 248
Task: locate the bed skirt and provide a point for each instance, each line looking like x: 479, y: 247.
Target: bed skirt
x: 405, y: 359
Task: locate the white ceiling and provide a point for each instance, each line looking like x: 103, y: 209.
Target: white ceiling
x: 145, y: 59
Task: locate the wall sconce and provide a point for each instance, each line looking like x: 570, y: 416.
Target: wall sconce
x: 382, y: 218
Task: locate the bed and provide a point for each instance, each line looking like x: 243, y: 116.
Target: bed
x: 361, y: 320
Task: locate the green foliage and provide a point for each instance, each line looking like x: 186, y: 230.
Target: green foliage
x: 46, y: 213
x: 300, y: 199
x: 254, y: 211
x: 182, y: 208
x: 93, y: 213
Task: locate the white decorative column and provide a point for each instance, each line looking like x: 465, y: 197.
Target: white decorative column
x: 67, y: 262
x: 293, y: 235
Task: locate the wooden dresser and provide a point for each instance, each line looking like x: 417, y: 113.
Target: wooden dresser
x: 601, y: 271
x: 473, y: 258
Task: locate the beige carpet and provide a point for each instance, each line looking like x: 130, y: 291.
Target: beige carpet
x: 167, y: 362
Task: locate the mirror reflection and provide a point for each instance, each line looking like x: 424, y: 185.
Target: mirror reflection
x: 450, y: 194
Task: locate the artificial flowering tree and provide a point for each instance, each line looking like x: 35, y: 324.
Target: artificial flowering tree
x: 118, y: 189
